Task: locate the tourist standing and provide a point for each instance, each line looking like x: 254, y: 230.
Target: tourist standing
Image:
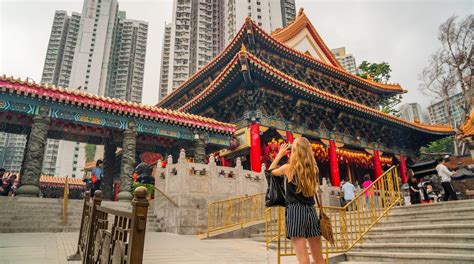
x: 414, y: 189
x: 445, y: 174
x: 348, y: 190
x: 302, y: 222
x: 96, y: 177
x: 369, y: 191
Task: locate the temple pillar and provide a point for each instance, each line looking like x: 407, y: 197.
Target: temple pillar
x: 199, y: 147
x: 333, y: 164
x: 255, y: 152
x: 29, y: 181
x: 289, y: 137
x: 128, y: 160
x: 109, y: 168
x: 377, y: 164
x: 403, y: 168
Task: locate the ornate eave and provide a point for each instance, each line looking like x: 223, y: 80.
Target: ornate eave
x: 284, y: 81
x: 111, y: 105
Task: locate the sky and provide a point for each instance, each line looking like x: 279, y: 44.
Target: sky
x: 402, y: 33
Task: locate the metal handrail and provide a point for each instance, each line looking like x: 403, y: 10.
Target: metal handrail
x: 167, y: 197
x: 350, y: 223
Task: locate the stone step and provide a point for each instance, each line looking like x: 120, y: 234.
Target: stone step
x: 410, y: 257
x: 390, y: 221
x: 420, y: 229
x: 419, y: 238
x: 457, y: 211
x: 434, y: 206
x: 448, y: 248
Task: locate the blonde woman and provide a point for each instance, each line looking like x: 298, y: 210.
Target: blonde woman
x: 302, y: 222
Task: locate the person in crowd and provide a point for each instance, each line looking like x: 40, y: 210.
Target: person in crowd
x: 96, y: 177
x: 369, y: 192
x: 302, y: 222
x: 8, y: 184
x: 414, y: 189
x: 446, y: 174
x: 348, y: 191
x: 2, y: 180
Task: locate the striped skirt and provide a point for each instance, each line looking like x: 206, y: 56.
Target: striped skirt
x: 302, y: 221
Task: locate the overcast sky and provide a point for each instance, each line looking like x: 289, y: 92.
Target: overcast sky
x: 402, y: 33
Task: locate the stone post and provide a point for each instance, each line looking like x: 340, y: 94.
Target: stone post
x: 109, y: 168
x: 128, y: 160
x: 199, y: 147
x: 29, y: 181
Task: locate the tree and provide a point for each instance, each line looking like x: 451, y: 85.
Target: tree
x: 438, y: 79
x: 380, y: 72
x: 457, y: 53
x: 90, y: 152
x: 439, y: 147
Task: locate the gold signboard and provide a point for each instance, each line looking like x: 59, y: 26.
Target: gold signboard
x: 90, y: 119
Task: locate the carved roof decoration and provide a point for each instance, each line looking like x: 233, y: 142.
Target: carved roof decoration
x: 291, y: 83
x: 467, y: 129
x: 249, y: 33
x: 112, y: 105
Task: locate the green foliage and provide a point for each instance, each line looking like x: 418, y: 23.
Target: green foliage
x: 90, y: 152
x: 149, y: 187
x: 440, y: 146
x: 380, y: 72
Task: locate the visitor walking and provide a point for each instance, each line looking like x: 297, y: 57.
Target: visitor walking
x: 445, y: 174
x: 414, y: 189
x: 369, y: 192
x: 96, y: 177
x: 348, y: 191
x: 302, y: 222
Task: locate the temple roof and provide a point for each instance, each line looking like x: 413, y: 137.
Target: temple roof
x: 111, y: 105
x: 467, y: 129
x: 283, y: 80
x: 250, y: 32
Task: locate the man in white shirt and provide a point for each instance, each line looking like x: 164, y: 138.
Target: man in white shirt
x: 348, y: 190
x: 445, y: 174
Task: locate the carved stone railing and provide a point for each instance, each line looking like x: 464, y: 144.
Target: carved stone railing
x: 112, y: 236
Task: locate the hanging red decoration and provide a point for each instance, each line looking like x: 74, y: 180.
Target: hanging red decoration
x: 333, y: 164
x: 255, y: 158
x: 289, y: 137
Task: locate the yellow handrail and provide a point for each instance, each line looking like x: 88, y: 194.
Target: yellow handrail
x: 350, y: 223
x: 235, y: 212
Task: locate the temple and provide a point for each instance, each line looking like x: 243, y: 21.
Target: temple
x: 287, y: 84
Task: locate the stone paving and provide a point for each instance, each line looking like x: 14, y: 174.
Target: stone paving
x: 53, y: 248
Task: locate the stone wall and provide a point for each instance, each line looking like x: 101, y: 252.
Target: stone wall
x: 192, y: 186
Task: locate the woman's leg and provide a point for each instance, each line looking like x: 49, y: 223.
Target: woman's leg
x: 316, y: 247
x: 300, y: 248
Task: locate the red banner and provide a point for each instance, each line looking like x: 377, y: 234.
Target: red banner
x: 255, y: 152
x: 333, y: 164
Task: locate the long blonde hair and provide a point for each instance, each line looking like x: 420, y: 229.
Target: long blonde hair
x: 303, y: 168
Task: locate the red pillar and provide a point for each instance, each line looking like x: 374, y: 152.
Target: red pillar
x: 403, y: 168
x: 224, y: 162
x: 377, y: 164
x: 333, y: 164
x: 255, y: 152
x: 289, y: 137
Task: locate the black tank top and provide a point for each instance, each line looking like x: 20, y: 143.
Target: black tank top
x: 292, y: 196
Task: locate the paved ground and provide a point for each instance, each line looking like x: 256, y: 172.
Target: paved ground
x: 53, y: 248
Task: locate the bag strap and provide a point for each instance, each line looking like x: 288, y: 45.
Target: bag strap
x: 316, y: 196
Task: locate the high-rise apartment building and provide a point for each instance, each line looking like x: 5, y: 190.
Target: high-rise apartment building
x: 11, y: 151
x: 412, y: 112
x: 201, y: 29
x: 99, y: 51
x: 438, y: 111
x: 346, y: 60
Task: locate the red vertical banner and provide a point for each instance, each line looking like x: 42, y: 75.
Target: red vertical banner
x: 255, y: 152
x: 289, y: 137
x: 377, y: 164
x: 403, y: 168
x: 333, y: 164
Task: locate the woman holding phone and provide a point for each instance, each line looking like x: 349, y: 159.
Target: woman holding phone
x: 302, y: 222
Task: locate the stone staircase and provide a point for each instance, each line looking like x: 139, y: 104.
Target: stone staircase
x: 32, y: 215
x: 428, y: 233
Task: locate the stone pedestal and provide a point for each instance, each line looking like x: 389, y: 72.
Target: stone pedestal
x: 33, y: 161
x: 128, y: 160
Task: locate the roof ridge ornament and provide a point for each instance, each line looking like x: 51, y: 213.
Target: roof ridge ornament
x: 243, y: 48
x: 301, y: 11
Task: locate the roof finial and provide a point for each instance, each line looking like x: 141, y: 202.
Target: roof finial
x: 301, y: 11
x: 243, y: 48
x: 369, y: 77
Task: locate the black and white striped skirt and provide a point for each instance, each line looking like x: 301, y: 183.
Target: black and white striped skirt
x: 302, y: 221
